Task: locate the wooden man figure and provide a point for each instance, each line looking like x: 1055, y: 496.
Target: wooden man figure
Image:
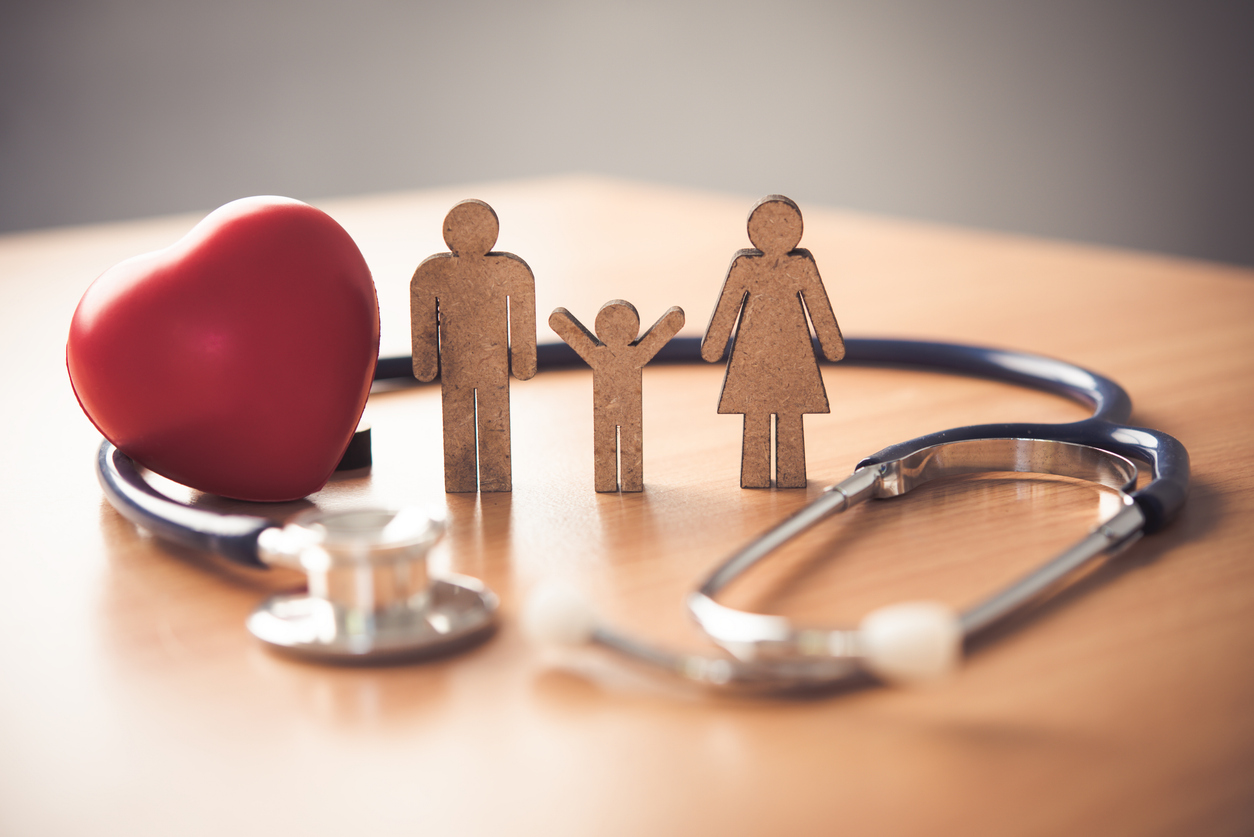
x: 473, y: 321
x: 617, y: 359
x: 773, y: 370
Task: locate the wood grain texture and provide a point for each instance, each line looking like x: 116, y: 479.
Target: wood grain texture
x: 617, y: 358
x: 770, y: 298
x: 473, y: 322
x: 134, y: 702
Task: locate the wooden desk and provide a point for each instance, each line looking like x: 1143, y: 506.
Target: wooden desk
x: 134, y: 702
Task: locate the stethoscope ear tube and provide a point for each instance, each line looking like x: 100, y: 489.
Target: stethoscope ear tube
x: 233, y: 536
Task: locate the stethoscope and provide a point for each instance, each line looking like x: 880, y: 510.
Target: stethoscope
x: 371, y: 598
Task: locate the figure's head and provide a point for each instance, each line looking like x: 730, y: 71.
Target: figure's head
x: 775, y: 225
x: 470, y: 228
x: 617, y: 323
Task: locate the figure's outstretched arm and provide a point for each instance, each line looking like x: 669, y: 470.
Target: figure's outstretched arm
x: 522, y: 319
x: 723, y: 320
x: 424, y: 316
x: 652, y: 341
x: 814, y: 297
x: 573, y: 332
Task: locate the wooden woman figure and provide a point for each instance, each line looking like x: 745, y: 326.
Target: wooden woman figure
x: 617, y: 359
x: 773, y: 370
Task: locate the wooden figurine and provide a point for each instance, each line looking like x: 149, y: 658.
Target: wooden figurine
x: 773, y: 370
x: 473, y: 321
x: 617, y: 359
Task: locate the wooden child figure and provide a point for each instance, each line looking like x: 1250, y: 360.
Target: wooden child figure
x: 466, y: 306
x: 773, y: 370
x: 617, y: 359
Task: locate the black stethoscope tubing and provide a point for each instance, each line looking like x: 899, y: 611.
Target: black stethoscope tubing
x: 235, y: 535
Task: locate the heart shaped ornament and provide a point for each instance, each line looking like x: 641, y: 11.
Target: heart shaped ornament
x: 238, y: 360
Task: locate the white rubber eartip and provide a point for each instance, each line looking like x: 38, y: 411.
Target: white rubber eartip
x: 557, y: 614
x: 911, y: 642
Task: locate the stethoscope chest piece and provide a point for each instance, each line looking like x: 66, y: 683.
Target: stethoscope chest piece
x: 370, y: 598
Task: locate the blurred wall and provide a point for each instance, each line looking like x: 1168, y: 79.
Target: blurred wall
x: 1128, y: 122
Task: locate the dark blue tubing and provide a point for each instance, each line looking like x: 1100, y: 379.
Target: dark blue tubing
x: 1159, y: 500
x: 235, y: 536
x: 231, y: 535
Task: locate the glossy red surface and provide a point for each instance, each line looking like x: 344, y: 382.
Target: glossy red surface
x: 238, y: 360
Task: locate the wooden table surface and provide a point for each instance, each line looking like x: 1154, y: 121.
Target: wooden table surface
x: 134, y: 702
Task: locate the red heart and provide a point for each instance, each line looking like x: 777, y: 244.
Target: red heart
x: 238, y: 360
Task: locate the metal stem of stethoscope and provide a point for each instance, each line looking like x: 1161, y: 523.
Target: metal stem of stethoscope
x: 750, y: 639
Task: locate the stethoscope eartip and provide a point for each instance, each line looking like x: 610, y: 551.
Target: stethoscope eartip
x: 911, y: 643
x: 557, y: 614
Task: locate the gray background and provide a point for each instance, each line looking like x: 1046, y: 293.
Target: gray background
x: 1111, y: 121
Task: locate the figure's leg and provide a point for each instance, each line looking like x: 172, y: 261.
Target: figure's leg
x: 790, y: 452
x: 495, y: 473
x: 604, y: 453
x: 755, y: 452
x: 631, y: 450
x: 460, y: 471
